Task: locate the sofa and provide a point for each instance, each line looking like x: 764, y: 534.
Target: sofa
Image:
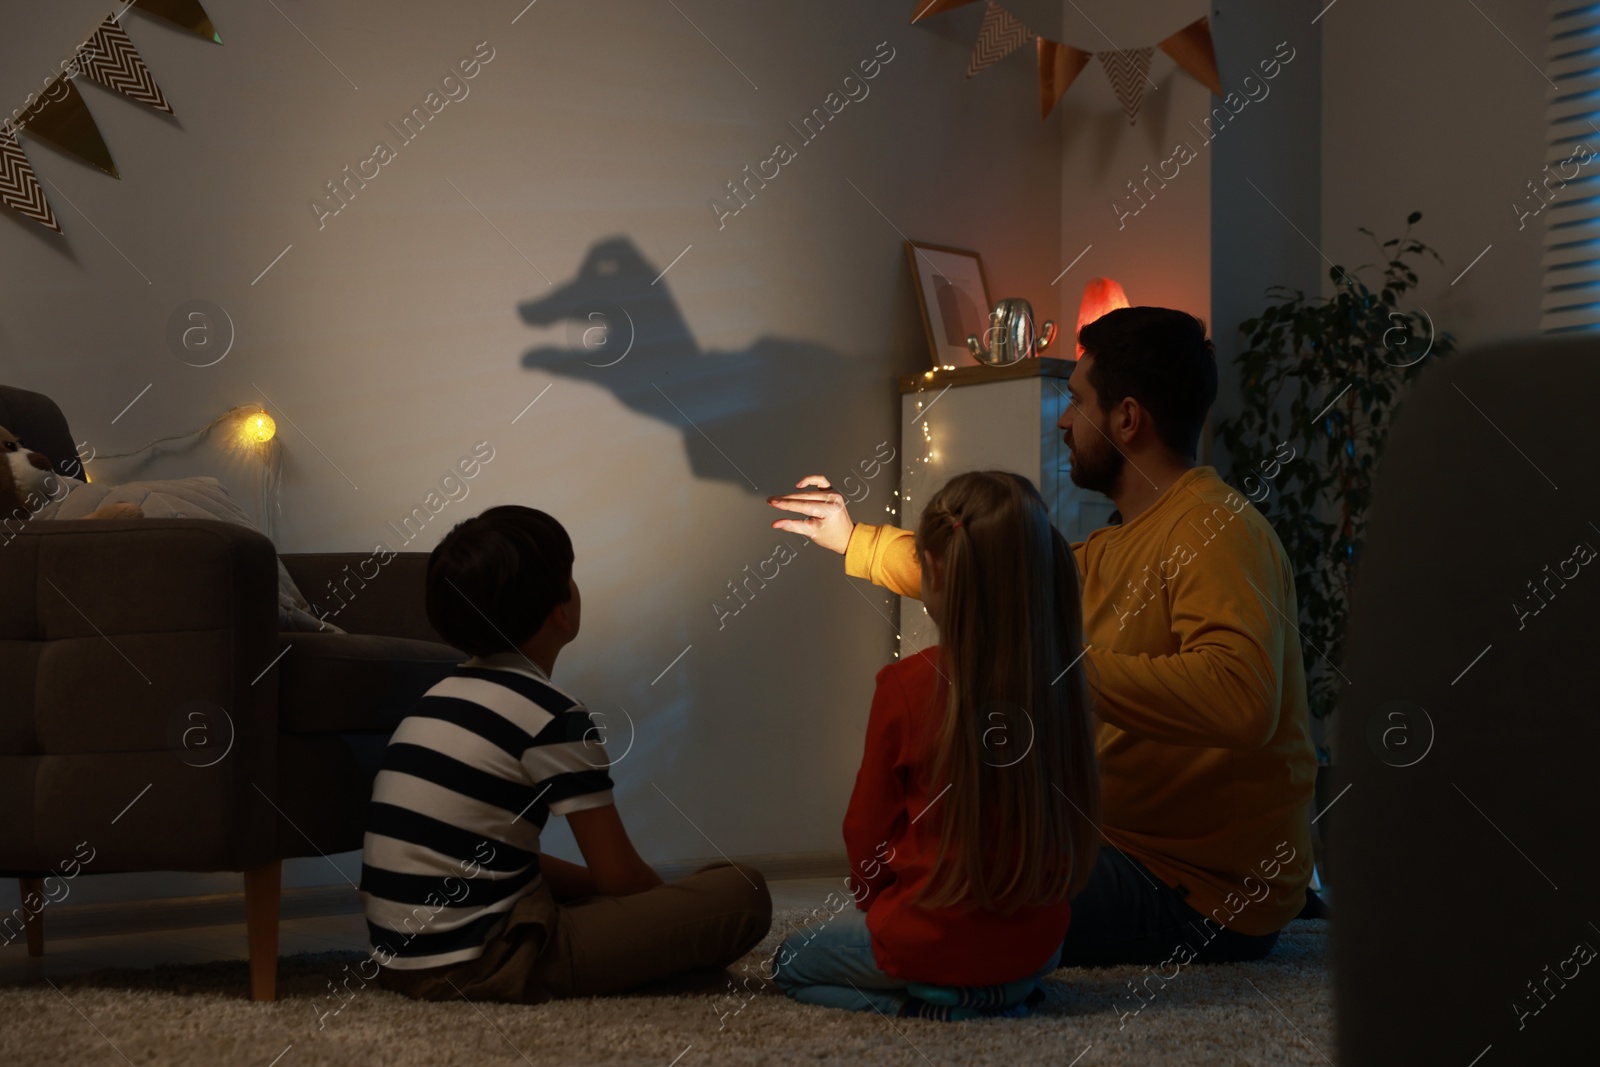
x: 153, y: 716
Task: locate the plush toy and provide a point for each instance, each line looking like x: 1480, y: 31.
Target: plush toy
x: 27, y: 483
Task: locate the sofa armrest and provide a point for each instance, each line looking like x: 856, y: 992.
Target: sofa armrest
x: 366, y: 593
x: 113, y: 636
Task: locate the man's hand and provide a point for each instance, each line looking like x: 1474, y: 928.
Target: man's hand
x: 829, y: 524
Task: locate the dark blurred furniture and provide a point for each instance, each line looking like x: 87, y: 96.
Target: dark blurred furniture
x: 155, y: 718
x: 1463, y: 868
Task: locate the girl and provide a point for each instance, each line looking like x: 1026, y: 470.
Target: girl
x: 975, y: 811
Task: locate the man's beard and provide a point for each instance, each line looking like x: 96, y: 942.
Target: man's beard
x: 1100, y: 470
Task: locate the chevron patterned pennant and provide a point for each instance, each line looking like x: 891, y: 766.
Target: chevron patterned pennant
x: 110, y: 59
x: 1000, y: 35
x: 19, y: 186
x: 1128, y: 72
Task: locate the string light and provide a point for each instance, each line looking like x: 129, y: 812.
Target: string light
x: 929, y: 454
x: 258, y: 429
x: 254, y: 432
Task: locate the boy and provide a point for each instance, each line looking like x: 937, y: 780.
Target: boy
x: 458, y: 898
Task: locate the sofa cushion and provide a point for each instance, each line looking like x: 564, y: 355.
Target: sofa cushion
x: 336, y: 683
x: 180, y: 498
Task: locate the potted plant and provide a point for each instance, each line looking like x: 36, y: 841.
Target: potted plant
x: 1321, y: 379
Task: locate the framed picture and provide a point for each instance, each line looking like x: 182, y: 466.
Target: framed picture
x: 954, y: 297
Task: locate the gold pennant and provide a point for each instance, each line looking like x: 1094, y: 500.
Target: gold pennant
x: 926, y: 8
x: 186, y: 13
x: 62, y: 119
x: 1059, y: 65
x: 1192, y: 50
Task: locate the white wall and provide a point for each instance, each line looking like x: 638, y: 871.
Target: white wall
x: 392, y: 339
x: 1266, y: 194
x: 1438, y: 106
x: 1160, y: 251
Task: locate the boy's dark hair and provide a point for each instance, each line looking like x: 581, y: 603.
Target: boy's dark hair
x: 1162, y: 358
x: 495, y: 578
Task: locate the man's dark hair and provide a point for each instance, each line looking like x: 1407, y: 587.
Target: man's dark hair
x: 494, y: 579
x: 1162, y: 358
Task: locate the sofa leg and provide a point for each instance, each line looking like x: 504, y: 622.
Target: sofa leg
x: 261, y: 891
x: 33, y: 917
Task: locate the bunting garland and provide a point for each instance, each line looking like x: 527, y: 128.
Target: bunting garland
x: 19, y: 186
x: 936, y: 7
x: 110, y: 59
x: 1059, y: 66
x: 1000, y: 35
x: 186, y: 14
x: 1191, y: 49
x: 1128, y: 70
x: 61, y: 117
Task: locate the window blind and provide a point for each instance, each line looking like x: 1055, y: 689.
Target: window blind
x: 1570, y: 183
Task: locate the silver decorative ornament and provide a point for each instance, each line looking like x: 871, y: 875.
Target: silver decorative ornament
x: 1011, y: 335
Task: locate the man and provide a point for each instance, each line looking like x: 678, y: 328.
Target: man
x: 1207, y: 762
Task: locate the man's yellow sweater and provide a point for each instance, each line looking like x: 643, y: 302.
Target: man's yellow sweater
x: 1206, y: 758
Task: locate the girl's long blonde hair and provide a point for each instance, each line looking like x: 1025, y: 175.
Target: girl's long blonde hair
x: 1019, y: 824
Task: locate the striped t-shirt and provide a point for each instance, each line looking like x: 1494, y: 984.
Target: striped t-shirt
x: 468, y: 780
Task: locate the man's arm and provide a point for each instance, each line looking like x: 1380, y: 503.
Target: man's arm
x: 884, y: 555
x: 1222, y: 688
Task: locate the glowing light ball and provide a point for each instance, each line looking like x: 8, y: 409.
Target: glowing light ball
x: 259, y: 428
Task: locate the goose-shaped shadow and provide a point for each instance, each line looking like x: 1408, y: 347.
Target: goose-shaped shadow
x: 743, y: 415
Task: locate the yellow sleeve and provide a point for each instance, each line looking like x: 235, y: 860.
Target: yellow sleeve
x: 1223, y: 687
x: 886, y: 556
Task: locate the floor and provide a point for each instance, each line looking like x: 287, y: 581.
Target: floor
x: 178, y: 998
x: 202, y: 944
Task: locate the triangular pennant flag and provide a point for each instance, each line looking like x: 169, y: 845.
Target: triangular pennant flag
x: 62, y: 118
x: 186, y: 13
x: 1127, y: 72
x: 19, y: 186
x: 1191, y: 49
x: 925, y: 8
x: 999, y: 36
x: 110, y: 59
x: 1059, y: 65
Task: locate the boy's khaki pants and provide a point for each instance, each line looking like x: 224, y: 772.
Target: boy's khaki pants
x: 606, y: 944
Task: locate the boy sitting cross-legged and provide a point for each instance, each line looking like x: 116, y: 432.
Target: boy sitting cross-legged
x: 458, y: 898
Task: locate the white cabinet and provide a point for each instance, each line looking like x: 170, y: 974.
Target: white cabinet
x: 973, y: 418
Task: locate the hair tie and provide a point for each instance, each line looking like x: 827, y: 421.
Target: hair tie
x: 956, y: 525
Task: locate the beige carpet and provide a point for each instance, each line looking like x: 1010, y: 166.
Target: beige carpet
x: 1278, y: 1011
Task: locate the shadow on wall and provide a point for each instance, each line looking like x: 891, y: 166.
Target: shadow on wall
x: 751, y: 417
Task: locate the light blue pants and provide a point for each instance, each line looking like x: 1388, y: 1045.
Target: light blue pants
x: 831, y: 964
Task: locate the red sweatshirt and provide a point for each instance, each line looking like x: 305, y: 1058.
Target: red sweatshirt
x: 891, y: 832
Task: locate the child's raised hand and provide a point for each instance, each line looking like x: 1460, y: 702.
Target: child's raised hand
x: 829, y: 523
